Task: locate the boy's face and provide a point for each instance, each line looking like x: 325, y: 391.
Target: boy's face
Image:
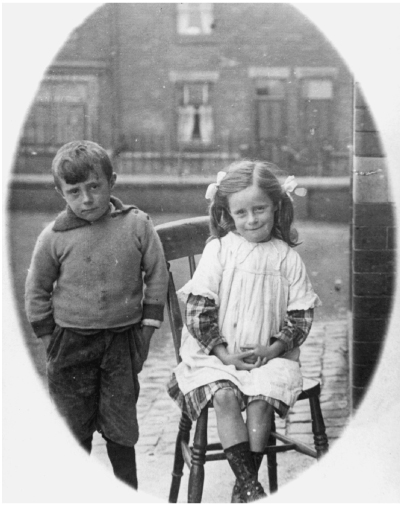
x: 89, y: 199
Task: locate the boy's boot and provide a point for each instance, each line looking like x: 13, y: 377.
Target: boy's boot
x: 242, y: 462
x: 123, y: 460
x: 236, y: 491
x: 87, y: 444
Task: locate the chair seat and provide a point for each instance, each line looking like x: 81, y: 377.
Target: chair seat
x: 310, y: 388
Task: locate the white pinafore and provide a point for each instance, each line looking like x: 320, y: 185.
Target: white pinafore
x: 254, y: 285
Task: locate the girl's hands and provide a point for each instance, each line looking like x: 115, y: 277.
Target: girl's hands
x: 259, y: 355
x: 262, y: 353
x: 238, y: 360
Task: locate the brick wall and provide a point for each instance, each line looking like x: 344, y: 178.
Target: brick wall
x: 373, y: 259
x: 133, y: 49
x: 245, y: 35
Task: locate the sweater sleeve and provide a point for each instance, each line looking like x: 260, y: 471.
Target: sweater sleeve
x: 42, y: 274
x: 201, y: 315
x: 155, y: 273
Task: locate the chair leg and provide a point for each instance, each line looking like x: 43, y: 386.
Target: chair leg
x: 185, y: 425
x: 196, y: 478
x: 318, y: 427
x: 271, y: 459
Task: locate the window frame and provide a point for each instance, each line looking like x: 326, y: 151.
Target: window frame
x: 48, y: 96
x: 183, y: 11
x: 302, y: 107
x: 207, y: 80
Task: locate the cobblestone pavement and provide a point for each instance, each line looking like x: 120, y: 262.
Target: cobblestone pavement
x: 324, y: 356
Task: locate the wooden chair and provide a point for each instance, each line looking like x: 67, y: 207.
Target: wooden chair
x: 187, y: 238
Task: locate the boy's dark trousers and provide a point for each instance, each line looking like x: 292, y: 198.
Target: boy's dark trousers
x: 92, y: 377
x: 122, y: 458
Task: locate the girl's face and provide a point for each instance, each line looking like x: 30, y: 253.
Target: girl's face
x: 253, y: 213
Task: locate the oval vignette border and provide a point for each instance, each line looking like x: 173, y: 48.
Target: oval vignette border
x: 23, y: 392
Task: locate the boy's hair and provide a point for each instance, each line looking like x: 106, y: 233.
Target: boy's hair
x: 241, y: 175
x: 75, y: 160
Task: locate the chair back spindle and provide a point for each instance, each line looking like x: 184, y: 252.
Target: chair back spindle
x: 181, y: 239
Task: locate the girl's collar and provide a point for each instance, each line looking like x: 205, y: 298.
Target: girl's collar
x: 236, y: 233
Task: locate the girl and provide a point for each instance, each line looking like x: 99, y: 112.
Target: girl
x: 249, y: 306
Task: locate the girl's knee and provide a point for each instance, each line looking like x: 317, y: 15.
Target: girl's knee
x: 260, y: 407
x: 225, y: 399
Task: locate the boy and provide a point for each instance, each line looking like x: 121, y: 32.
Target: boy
x: 95, y: 293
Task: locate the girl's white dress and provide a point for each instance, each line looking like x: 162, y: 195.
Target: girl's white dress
x: 254, y: 285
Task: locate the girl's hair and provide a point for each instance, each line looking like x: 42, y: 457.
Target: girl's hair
x: 76, y: 160
x: 241, y: 175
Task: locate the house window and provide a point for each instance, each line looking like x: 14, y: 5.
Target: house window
x: 317, y: 97
x: 270, y: 95
x: 65, y: 109
x: 195, y: 116
x: 53, y: 124
x: 194, y: 19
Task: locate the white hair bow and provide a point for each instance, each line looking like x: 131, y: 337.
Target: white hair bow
x: 212, y: 188
x: 289, y: 186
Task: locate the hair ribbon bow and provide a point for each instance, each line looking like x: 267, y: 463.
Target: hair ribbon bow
x: 289, y: 186
x: 212, y: 188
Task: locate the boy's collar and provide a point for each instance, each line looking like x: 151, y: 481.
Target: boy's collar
x: 67, y: 220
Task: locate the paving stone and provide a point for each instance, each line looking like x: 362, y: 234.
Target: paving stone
x: 329, y: 396
x: 280, y: 424
x: 162, y: 404
x: 333, y: 404
x: 302, y: 437
x: 148, y: 440
x: 300, y: 406
x: 300, y: 427
x: 336, y: 421
x: 335, y: 413
x: 334, y: 431
x: 300, y: 417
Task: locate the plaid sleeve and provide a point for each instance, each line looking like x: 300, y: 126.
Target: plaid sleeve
x: 201, y: 316
x: 297, y: 325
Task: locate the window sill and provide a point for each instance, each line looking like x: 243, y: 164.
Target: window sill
x: 196, y: 148
x: 196, y: 39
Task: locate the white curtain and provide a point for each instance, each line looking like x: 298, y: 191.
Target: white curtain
x: 206, y: 124
x: 185, y: 124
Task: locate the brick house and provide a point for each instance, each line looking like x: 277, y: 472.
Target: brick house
x: 185, y: 88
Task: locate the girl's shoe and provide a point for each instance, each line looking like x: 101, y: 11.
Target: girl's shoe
x: 242, y: 463
x: 236, y: 490
x: 236, y: 493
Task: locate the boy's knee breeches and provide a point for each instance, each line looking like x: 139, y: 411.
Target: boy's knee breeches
x: 92, y: 379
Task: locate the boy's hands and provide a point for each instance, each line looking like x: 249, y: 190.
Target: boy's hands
x: 146, y: 334
x: 46, y: 340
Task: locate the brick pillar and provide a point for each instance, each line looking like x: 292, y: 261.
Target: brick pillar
x: 373, y: 245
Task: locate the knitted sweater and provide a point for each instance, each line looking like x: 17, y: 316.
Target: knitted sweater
x: 99, y: 275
